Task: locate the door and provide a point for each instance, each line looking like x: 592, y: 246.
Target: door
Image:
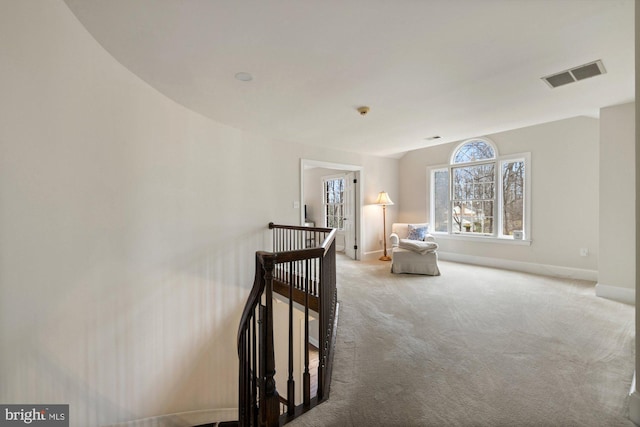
x: 349, y: 215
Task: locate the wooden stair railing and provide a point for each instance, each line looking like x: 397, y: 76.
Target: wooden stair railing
x: 302, y: 268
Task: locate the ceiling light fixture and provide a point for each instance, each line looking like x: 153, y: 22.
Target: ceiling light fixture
x: 243, y: 77
x: 431, y: 138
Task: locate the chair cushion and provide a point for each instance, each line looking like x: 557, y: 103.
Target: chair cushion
x: 417, y: 232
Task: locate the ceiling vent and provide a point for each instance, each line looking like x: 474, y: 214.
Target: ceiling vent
x: 573, y: 75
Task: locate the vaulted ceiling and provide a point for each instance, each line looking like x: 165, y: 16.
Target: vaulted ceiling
x: 449, y: 68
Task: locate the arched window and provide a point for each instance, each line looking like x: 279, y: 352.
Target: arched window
x: 480, y: 193
x: 474, y: 150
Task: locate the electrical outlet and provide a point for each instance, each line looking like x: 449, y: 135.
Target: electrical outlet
x: 296, y: 205
x: 584, y: 251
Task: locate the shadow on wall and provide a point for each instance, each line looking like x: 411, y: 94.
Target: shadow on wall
x: 162, y: 343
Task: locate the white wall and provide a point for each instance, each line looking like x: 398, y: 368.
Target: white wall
x: 378, y: 174
x: 617, y: 254
x: 376, y: 178
x: 128, y: 226
x: 564, y: 174
x: 313, y: 192
x: 313, y: 198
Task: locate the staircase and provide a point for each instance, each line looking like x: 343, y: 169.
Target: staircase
x: 300, y: 273
x: 221, y: 424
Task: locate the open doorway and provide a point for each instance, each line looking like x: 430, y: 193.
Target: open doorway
x: 316, y: 179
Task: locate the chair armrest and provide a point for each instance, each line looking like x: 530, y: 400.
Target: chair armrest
x: 429, y: 238
x: 395, y: 239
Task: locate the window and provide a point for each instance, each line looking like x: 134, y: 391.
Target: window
x: 480, y: 193
x: 512, y: 196
x: 333, y: 202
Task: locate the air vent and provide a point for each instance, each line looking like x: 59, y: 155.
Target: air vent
x: 573, y: 75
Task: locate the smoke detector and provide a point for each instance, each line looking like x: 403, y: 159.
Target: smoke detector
x: 575, y: 74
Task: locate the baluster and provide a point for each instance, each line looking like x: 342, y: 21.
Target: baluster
x: 322, y: 321
x: 291, y: 383
x: 315, y: 277
x: 243, y: 382
x: 306, y: 376
x: 294, y: 274
x: 254, y: 372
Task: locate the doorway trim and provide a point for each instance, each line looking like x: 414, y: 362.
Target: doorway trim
x: 308, y: 163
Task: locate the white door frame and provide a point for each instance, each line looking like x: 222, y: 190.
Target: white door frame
x: 307, y: 163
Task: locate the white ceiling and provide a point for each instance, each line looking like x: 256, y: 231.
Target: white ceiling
x: 453, y: 68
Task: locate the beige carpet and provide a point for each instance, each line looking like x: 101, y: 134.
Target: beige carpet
x: 475, y: 347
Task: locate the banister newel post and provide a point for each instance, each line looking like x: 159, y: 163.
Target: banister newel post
x: 270, y: 405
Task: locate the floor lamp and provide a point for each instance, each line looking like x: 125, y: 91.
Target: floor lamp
x: 384, y: 201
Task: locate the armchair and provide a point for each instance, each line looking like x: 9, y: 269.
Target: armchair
x: 409, y: 261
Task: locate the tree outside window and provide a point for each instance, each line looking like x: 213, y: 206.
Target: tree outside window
x: 512, y: 196
x: 333, y: 195
x: 473, y: 198
x: 479, y: 193
x: 440, y: 200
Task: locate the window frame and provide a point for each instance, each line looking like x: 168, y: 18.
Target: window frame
x: 325, y: 203
x: 452, y: 184
x: 498, y: 226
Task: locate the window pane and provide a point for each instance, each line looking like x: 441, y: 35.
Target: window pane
x: 473, y: 151
x: 459, y: 221
x: 473, y: 189
x: 440, y: 200
x: 513, y: 196
x: 333, y: 202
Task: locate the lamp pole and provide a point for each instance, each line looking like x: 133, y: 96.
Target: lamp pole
x: 384, y: 200
x: 384, y: 257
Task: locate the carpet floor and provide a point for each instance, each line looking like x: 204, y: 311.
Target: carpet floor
x: 475, y: 347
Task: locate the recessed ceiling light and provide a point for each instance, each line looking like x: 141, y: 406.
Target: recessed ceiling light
x: 244, y: 77
x: 431, y: 138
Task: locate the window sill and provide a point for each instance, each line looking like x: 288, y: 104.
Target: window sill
x: 485, y: 239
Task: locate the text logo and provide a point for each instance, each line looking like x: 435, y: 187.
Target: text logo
x: 34, y: 415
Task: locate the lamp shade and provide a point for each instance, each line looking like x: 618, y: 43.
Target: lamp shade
x: 383, y: 199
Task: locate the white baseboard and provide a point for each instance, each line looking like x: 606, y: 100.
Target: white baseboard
x: 527, y: 267
x: 374, y: 255
x: 616, y: 293
x: 184, y: 419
